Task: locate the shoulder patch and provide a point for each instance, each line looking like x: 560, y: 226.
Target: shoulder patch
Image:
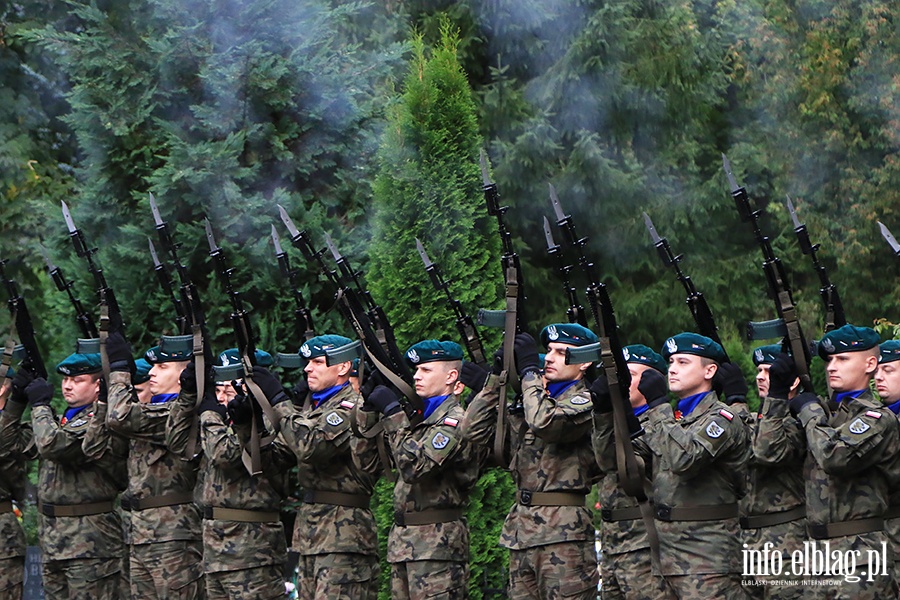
x: 347, y: 404
x: 334, y: 419
x: 874, y: 414
x: 451, y: 422
x: 714, y: 430
x: 858, y: 427
x: 440, y: 441
x: 579, y: 400
x: 726, y: 414
x: 77, y: 423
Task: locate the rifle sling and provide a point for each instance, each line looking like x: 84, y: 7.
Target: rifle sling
x: 401, y: 385
x: 789, y: 314
x: 509, y: 370
x: 103, y: 334
x: 376, y: 432
x: 200, y: 378
x: 252, y: 460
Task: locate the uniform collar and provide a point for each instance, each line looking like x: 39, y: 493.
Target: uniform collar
x: 319, y: 397
x: 162, y: 398
x: 687, y: 405
x: 556, y: 388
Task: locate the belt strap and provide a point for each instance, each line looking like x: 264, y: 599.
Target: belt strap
x: 238, y: 514
x: 841, y: 528
x: 172, y: 499
x: 611, y: 515
x: 893, y: 512
x: 75, y: 510
x: 428, y: 517
x: 529, y: 498
x: 6, y: 506
x: 775, y: 518
x: 336, y: 498
x: 696, y: 513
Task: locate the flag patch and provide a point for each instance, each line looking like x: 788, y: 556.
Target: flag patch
x: 346, y: 404
x: 726, y: 414
x: 873, y: 414
x: 451, y: 422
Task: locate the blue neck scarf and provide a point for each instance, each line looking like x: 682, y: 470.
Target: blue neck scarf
x: 558, y: 387
x: 895, y: 407
x: 641, y: 410
x: 432, y: 403
x: 162, y: 398
x: 320, y: 397
x: 72, y: 412
x: 841, y: 396
x: 687, y: 405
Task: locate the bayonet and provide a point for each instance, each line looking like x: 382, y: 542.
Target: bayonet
x: 653, y: 234
x: 84, y: 320
x: 302, y: 314
x: 793, y: 213
x: 891, y: 240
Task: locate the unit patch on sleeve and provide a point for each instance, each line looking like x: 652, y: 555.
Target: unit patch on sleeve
x: 440, y: 441
x: 858, y: 427
x: 714, y: 430
x: 334, y: 419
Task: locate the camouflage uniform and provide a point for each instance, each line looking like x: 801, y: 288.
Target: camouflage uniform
x: 335, y: 532
x: 82, y: 554
x: 552, y: 552
x: 166, y: 551
x: 243, y: 538
x: 16, y: 447
x: 699, y: 466
x: 438, y: 466
x: 851, y: 467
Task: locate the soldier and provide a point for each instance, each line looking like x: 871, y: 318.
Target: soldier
x: 141, y: 380
x: 774, y: 509
x: 165, y: 549
x: 699, y: 459
x: 334, y: 532
x: 428, y: 546
x: 887, y: 384
x: 626, y: 566
x: 80, y: 532
x: 852, y: 462
x: 16, y: 448
x: 243, y: 538
x: 549, y: 530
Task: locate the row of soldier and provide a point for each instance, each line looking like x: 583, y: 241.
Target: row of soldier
x: 724, y: 483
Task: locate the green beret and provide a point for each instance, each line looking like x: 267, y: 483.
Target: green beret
x: 79, y: 364
x: 433, y: 350
x: 890, y: 351
x: 766, y: 355
x: 693, y: 343
x: 232, y: 357
x: 10, y: 372
x: 644, y: 355
x: 572, y: 334
x: 142, y: 371
x: 542, y: 361
x: 319, y: 345
x: 161, y: 354
x: 354, y: 368
x: 848, y: 338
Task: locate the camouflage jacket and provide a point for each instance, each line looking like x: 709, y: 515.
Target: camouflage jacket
x: 853, y: 459
x: 153, y: 470
x: 437, y: 467
x: 552, y: 452
x: 324, y: 444
x: 699, y: 460
x: 68, y: 476
x: 224, y: 482
x: 16, y: 449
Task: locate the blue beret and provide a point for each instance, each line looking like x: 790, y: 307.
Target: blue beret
x: 319, y: 345
x: 142, y: 371
x: 848, y: 338
x: 433, y: 350
x: 890, y: 351
x: 766, y: 355
x: 232, y: 357
x: 79, y: 364
x: 644, y: 355
x: 693, y: 343
x: 572, y: 334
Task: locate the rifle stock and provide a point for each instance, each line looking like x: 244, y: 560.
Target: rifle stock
x: 21, y: 317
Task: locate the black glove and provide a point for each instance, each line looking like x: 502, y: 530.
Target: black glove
x: 526, y: 354
x: 797, y: 403
x: 782, y: 374
x: 211, y: 403
x: 383, y: 399
x: 103, y: 396
x: 188, y: 378
x: 731, y: 380
x: 269, y: 384
x: 20, y: 381
x: 118, y: 350
x: 473, y: 375
x: 242, y: 408
x: 301, y: 389
x: 39, y: 392
x: 653, y: 387
x: 601, y: 396
x: 497, y: 367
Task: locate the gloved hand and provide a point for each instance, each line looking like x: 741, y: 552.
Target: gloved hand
x: 653, y: 387
x: 782, y: 374
x: 118, y: 350
x: 188, y: 378
x: 473, y: 376
x: 383, y: 399
x: 730, y: 379
x: 39, y: 392
x: 269, y: 384
x: 797, y: 403
x: 301, y: 389
x: 601, y: 396
x: 210, y: 403
x: 242, y: 409
x: 527, y: 359
x: 497, y: 366
x: 20, y: 381
x: 103, y: 395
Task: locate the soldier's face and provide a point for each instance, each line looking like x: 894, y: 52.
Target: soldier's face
x: 850, y: 371
x: 634, y: 394
x: 555, y: 367
x: 436, y: 378
x: 143, y: 392
x: 762, y: 380
x: 688, y: 375
x: 225, y: 393
x: 887, y: 381
x: 164, y: 377
x: 5, y: 389
x: 321, y: 377
x: 80, y: 390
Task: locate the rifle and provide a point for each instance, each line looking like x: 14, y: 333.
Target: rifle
x: 302, y: 314
x: 575, y: 312
x: 464, y: 323
x: 886, y: 234
x: 104, y: 292
x: 165, y: 282
x: 703, y: 317
x: 787, y: 323
x: 18, y: 310
x: 84, y: 320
